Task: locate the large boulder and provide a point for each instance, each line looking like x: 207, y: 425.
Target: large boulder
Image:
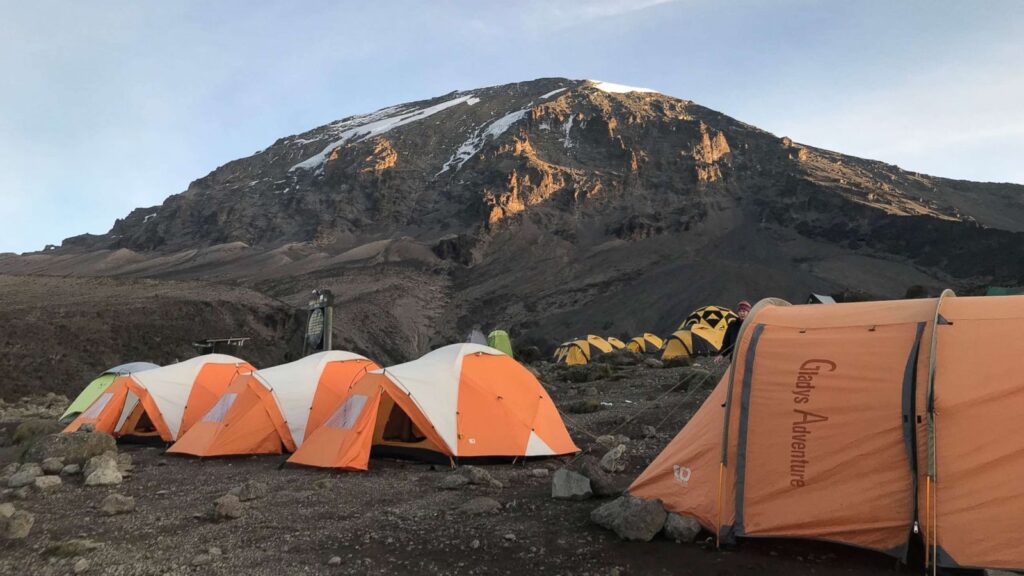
x: 47, y: 484
x: 568, y: 485
x: 102, y: 470
x: 631, y: 518
x: 17, y: 525
x: 25, y: 476
x: 72, y: 448
x: 34, y: 429
x: 52, y: 465
x: 681, y: 528
x: 602, y: 483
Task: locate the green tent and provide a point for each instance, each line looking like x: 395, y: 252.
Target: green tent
x: 499, y: 340
x: 1003, y: 291
x: 97, y: 386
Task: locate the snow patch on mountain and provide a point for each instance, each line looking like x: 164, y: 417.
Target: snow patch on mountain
x: 480, y: 136
x: 552, y: 93
x: 360, y: 128
x: 613, y: 88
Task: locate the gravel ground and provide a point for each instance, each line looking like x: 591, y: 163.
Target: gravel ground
x: 393, y: 519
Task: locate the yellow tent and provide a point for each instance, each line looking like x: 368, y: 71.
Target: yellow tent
x: 646, y: 343
x: 616, y: 343
x: 581, y: 351
x: 701, y: 334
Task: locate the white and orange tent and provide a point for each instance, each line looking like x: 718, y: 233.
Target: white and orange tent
x: 163, y: 402
x: 459, y: 401
x: 859, y: 423
x: 272, y: 410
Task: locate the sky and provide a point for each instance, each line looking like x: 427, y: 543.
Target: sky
x: 110, y: 105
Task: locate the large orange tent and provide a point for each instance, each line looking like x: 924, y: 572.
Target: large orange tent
x: 271, y: 410
x: 463, y: 400
x: 855, y: 422
x: 162, y: 402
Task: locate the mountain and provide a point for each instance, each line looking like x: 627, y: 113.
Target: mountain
x: 552, y: 208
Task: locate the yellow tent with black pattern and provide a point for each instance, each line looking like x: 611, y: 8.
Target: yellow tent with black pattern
x: 583, y: 350
x: 700, y: 334
x: 646, y: 343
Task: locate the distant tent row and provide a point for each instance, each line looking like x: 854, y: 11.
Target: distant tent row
x: 333, y: 408
x: 701, y: 333
x: 862, y: 424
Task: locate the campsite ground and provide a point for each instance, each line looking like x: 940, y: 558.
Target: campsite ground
x: 393, y: 519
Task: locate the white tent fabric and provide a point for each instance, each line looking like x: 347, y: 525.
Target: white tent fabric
x: 432, y: 382
x: 294, y: 385
x: 131, y: 368
x: 170, y: 386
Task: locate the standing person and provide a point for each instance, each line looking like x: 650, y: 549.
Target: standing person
x: 729, y: 340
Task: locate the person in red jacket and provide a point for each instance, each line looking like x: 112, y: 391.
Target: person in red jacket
x: 729, y: 340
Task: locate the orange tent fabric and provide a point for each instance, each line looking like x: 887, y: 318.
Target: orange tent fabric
x: 272, y: 410
x: 836, y: 427
x: 463, y: 400
x: 162, y: 402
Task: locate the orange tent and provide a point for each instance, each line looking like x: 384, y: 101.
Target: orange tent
x: 463, y: 400
x: 853, y: 422
x: 271, y: 410
x: 162, y: 402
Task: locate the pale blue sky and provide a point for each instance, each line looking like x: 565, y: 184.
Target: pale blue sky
x: 110, y: 105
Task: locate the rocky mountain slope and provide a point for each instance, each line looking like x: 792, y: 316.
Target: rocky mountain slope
x: 552, y: 208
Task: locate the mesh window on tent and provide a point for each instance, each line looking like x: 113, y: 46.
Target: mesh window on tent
x: 220, y: 409
x: 97, y: 407
x: 345, y: 417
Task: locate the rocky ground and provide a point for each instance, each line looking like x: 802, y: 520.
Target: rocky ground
x: 151, y: 513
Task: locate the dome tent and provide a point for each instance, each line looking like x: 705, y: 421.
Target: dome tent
x: 462, y: 400
x: 91, y: 392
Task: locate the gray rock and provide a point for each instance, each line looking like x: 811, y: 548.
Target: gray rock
x: 124, y: 461
x: 18, y: 525
x: 326, y: 484
x: 22, y: 493
x: 25, y: 476
x: 71, y: 547
x: 72, y: 448
x: 609, y: 441
x: 102, y: 470
x: 226, y: 507
x: 81, y: 567
x: 649, y: 431
x: 452, y: 482
x: 681, y: 528
x: 601, y: 482
x: 214, y: 551
x: 568, y: 485
x: 251, y: 490
x: 6, y: 510
x: 47, y: 484
x: 115, y: 504
x: 52, y: 466
x: 71, y: 470
x: 653, y: 363
x: 201, y: 560
x: 480, y: 505
x: 540, y: 473
x: 631, y: 518
x: 87, y: 427
x: 10, y: 469
x: 480, y: 477
x: 334, y: 561
x: 615, y: 459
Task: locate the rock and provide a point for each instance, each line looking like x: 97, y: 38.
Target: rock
x: 214, y: 551
x: 52, y: 466
x: 590, y: 391
x: 22, y: 493
x: 631, y: 518
x: 201, y: 560
x: 649, y: 431
x: 609, y: 441
x: 452, y: 482
x: 10, y: 469
x: 124, y: 461
x: 25, y: 476
x: 510, y: 537
x: 87, y: 427
x: 653, y: 363
x: 81, y: 567
x: 226, y: 507
x: 35, y: 429
x: 678, y: 361
x: 540, y: 473
x: 681, y: 528
x: 480, y: 505
x: 334, y: 561
x: 480, y: 477
x: 18, y: 525
x: 568, y: 485
x: 117, y: 504
x: 621, y: 357
x: 74, y: 448
x: 251, y: 490
x: 6, y: 510
x: 601, y: 482
x: 102, y: 471
x: 71, y: 547
x: 615, y: 459
x: 47, y: 484
x: 325, y: 484
x: 474, y: 544
x: 584, y: 406
x: 71, y: 470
